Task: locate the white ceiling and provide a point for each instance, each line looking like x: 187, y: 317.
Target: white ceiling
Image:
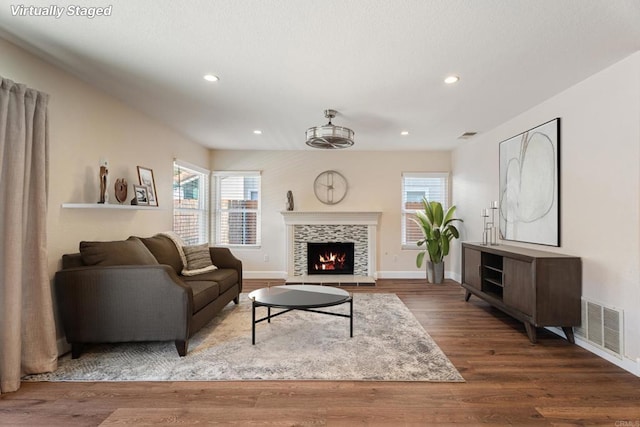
x: 380, y: 63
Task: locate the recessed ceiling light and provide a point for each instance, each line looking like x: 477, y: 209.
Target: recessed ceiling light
x: 257, y: 132
x: 404, y: 132
x: 211, y: 78
x: 451, y: 80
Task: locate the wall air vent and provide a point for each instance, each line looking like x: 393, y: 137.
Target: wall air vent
x: 601, y: 326
x: 467, y: 135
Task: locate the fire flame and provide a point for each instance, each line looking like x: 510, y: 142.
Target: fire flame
x: 331, y: 261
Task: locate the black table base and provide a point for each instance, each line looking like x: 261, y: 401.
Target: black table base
x: 286, y: 309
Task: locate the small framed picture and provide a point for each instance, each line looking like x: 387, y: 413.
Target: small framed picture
x: 142, y: 194
x: 146, y: 178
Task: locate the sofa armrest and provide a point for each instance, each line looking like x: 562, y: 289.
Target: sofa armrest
x: 223, y: 258
x: 123, y: 303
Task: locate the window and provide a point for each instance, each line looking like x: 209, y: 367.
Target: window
x: 237, y: 208
x: 415, y: 186
x: 191, y: 203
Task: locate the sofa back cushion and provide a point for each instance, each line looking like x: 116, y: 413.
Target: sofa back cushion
x: 119, y: 252
x: 164, y: 250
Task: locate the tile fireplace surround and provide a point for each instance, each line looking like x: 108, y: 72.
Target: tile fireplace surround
x: 357, y: 227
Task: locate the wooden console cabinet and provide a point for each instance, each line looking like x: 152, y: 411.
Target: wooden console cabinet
x: 539, y: 288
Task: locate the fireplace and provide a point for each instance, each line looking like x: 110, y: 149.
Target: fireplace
x: 359, y: 227
x: 330, y: 258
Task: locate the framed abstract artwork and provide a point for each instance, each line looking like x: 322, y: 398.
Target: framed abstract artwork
x: 530, y: 186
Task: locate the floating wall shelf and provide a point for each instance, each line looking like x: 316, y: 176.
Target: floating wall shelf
x: 107, y: 206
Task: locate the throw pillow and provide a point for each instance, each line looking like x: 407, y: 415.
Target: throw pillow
x: 120, y: 252
x: 198, y: 260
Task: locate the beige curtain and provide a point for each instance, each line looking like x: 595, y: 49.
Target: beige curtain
x: 27, y: 330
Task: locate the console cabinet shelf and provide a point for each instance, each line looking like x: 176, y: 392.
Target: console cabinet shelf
x: 536, y: 287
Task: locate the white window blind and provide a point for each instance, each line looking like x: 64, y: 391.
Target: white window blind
x: 191, y: 203
x: 415, y: 186
x: 237, y: 218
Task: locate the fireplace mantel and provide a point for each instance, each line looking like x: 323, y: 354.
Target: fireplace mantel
x: 331, y: 217
x: 297, y: 219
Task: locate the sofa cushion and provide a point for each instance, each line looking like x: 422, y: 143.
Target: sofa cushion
x: 225, y: 277
x: 203, y: 293
x: 164, y: 250
x: 119, y: 252
x: 198, y: 260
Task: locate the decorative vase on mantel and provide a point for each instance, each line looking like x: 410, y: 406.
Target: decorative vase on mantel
x: 289, y: 200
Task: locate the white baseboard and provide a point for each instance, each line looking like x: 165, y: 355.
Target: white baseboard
x: 624, y: 363
x: 378, y: 275
x: 401, y: 275
x: 264, y: 274
x: 413, y: 275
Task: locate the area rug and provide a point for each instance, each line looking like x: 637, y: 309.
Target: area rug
x: 388, y: 344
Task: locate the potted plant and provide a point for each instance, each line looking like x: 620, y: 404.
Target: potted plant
x: 438, y: 230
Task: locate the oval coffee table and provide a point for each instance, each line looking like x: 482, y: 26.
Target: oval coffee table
x: 298, y: 297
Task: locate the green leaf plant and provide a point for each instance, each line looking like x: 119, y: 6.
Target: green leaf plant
x: 438, y: 231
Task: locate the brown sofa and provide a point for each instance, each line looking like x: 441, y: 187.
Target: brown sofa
x: 134, y: 290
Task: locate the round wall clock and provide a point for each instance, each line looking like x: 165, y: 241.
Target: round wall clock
x: 330, y: 187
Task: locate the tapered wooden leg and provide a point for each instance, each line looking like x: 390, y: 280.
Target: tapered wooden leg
x: 182, y: 346
x: 236, y: 300
x: 531, y: 331
x: 467, y: 295
x: 568, y: 331
x: 76, y: 350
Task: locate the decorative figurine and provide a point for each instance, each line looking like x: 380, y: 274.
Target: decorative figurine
x: 104, y: 177
x: 121, y: 190
x: 289, y: 200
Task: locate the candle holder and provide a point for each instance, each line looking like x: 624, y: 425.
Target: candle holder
x: 485, y: 230
x: 494, y: 229
x: 489, y: 231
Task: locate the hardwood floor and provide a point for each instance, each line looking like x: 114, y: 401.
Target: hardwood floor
x: 509, y: 381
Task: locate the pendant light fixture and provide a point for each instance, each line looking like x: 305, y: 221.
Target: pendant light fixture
x: 329, y: 136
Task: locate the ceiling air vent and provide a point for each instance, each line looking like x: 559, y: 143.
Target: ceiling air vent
x: 467, y: 135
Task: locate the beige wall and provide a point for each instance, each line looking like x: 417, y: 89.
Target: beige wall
x: 600, y: 184
x: 86, y: 125
x: 374, y: 185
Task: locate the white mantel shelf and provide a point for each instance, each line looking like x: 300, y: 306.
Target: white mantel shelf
x: 331, y: 217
